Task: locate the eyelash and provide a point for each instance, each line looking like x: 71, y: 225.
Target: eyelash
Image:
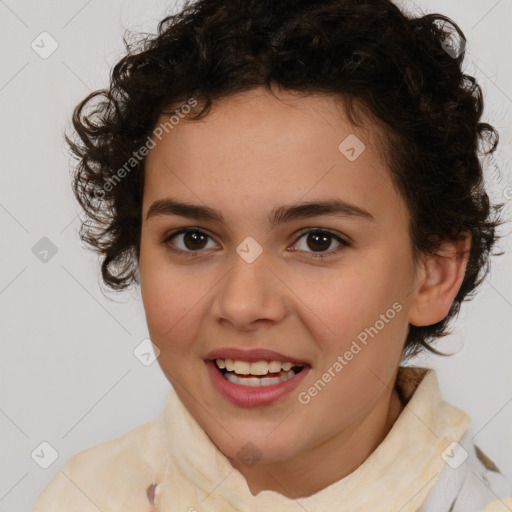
x: 314, y: 255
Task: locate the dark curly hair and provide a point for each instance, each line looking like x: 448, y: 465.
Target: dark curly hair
x: 404, y: 71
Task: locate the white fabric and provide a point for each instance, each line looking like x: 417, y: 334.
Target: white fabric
x: 174, y: 456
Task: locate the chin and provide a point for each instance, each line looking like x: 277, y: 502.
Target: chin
x: 250, y: 449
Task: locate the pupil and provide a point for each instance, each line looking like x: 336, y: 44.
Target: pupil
x: 195, y: 237
x: 322, y: 238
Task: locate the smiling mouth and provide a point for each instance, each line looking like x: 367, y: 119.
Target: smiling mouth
x: 258, y: 373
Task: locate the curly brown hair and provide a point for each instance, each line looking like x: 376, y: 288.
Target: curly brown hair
x: 404, y: 70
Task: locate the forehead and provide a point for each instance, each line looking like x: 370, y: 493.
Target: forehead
x: 254, y: 151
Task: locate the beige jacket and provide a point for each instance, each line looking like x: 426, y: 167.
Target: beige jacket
x: 426, y: 463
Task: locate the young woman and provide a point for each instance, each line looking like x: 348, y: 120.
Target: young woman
x: 296, y: 187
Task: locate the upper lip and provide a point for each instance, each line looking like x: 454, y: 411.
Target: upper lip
x: 252, y: 355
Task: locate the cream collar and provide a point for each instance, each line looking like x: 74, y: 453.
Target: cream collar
x: 197, y: 476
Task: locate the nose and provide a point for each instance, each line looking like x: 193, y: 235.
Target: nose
x: 249, y: 296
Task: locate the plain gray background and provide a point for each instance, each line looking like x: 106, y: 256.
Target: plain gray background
x: 69, y: 376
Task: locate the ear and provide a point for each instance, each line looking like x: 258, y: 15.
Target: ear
x: 440, y: 278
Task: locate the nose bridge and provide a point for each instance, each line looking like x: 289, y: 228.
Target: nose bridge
x: 249, y: 291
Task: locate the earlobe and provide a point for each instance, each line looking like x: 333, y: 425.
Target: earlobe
x: 441, y: 277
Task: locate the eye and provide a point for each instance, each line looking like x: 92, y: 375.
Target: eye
x: 319, y: 240
x: 192, y: 240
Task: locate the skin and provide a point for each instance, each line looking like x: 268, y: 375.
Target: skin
x: 255, y: 152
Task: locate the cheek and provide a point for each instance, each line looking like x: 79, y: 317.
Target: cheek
x: 167, y: 295
x: 364, y: 302
x: 167, y: 307
x: 352, y: 297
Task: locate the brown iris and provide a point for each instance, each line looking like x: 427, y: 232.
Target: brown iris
x: 321, y: 241
x: 197, y: 239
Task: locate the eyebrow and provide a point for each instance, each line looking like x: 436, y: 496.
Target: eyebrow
x: 333, y: 207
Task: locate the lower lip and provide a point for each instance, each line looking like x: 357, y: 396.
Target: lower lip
x: 252, y: 397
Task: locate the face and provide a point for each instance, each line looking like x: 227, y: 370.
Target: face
x: 252, y: 274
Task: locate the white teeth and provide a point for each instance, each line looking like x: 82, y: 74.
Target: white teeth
x: 255, y: 382
x: 274, y: 366
x: 256, y: 368
x: 242, y: 368
x: 260, y: 368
